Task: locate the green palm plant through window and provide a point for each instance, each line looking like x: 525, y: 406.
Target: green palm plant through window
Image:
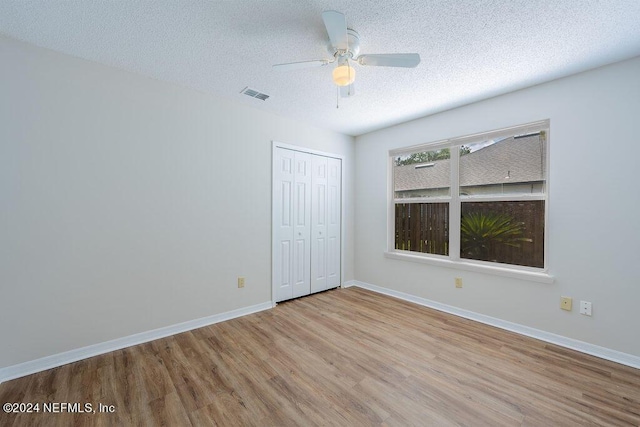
x: 482, y: 232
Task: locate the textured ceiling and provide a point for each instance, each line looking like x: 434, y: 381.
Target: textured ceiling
x: 470, y: 50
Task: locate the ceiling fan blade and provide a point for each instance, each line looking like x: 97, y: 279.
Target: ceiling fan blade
x: 301, y: 64
x: 336, y: 25
x: 347, y: 91
x: 407, y: 60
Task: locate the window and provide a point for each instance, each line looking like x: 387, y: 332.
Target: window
x: 478, y: 199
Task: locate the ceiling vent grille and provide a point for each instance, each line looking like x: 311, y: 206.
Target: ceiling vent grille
x: 254, y: 93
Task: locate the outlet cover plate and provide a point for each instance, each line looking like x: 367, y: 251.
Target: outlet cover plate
x: 585, y: 308
x: 566, y: 303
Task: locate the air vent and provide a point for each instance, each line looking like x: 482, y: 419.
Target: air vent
x: 254, y: 93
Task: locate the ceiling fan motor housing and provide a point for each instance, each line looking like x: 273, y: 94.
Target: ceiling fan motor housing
x: 353, y: 46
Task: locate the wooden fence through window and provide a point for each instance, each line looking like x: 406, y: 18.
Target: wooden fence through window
x: 424, y: 227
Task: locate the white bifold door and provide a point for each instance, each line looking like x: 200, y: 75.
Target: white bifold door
x: 306, y: 223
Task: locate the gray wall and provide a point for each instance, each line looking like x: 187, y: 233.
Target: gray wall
x: 593, y: 213
x: 128, y: 204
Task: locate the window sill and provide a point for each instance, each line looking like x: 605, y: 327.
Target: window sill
x: 533, y: 276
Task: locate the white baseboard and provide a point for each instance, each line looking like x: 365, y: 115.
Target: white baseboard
x: 349, y: 283
x: 581, y: 346
x: 48, y: 362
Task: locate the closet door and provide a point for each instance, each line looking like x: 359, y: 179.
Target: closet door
x: 319, y: 223
x: 291, y: 223
x: 306, y: 223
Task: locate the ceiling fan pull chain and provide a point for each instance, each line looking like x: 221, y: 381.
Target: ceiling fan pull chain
x: 349, y: 69
x: 337, y: 97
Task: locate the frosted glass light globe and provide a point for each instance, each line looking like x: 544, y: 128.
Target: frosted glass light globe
x: 344, y: 75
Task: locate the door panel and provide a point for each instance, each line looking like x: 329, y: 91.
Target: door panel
x: 283, y: 164
x: 302, y: 228
x: 334, y: 215
x: 285, y: 209
x: 285, y: 263
x: 319, y: 224
x: 301, y: 253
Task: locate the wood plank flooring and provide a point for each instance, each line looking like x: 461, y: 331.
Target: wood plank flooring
x: 347, y: 357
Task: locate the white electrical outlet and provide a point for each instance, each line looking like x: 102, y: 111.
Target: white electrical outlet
x: 585, y: 308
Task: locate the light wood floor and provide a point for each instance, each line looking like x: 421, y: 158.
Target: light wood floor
x: 343, y: 357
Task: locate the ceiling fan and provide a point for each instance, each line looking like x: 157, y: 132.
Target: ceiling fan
x: 344, y: 45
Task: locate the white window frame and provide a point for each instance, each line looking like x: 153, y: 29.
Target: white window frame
x: 455, y: 201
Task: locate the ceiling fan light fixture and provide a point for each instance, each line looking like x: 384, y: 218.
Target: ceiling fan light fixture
x: 344, y: 75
